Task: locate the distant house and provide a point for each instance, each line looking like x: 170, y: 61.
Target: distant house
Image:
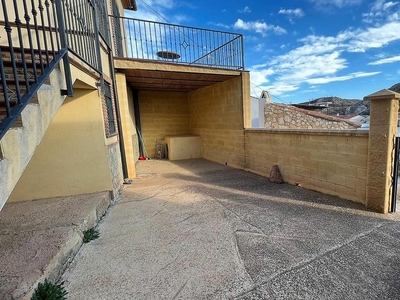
x: 257, y: 109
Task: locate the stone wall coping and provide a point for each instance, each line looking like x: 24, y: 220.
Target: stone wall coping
x: 348, y: 132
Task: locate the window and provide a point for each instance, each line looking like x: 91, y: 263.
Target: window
x: 110, y: 109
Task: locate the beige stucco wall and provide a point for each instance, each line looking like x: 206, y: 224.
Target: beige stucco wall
x: 162, y: 113
x: 280, y: 116
x: 216, y: 114
x: 72, y: 158
x: 332, y: 162
x: 127, y: 112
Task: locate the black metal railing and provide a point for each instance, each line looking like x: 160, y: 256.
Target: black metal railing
x: 38, y: 35
x: 178, y: 44
x: 82, y: 31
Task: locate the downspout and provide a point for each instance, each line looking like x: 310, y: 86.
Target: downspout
x: 118, y: 115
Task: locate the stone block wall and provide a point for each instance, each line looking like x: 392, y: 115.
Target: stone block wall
x: 162, y: 113
x: 114, y: 161
x: 332, y: 162
x: 279, y: 116
x: 217, y: 115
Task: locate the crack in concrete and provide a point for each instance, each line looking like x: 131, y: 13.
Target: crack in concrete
x: 187, y: 218
x: 158, y: 211
x: 312, y: 259
x: 241, y: 263
x: 164, y: 267
x: 147, y: 198
x: 238, y: 216
x: 180, y: 290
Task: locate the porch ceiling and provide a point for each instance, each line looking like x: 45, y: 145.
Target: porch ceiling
x: 160, y: 76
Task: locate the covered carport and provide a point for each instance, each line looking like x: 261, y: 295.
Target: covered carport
x: 159, y: 99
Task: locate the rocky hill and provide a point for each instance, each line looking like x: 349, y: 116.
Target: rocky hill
x: 335, y: 106
x: 395, y: 88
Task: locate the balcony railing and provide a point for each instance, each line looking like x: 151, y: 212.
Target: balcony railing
x: 139, y: 39
x: 37, y: 36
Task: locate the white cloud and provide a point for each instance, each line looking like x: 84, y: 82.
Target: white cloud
x: 338, y: 3
x: 298, y: 12
x: 324, y: 80
x: 159, y: 11
x: 388, y: 60
x: 382, y: 10
x: 374, y: 37
x: 219, y: 25
x: 320, y: 58
x: 260, y: 76
x: 244, y: 10
x: 259, y: 27
x: 259, y: 47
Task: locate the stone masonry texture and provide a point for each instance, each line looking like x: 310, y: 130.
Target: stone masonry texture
x: 279, y: 116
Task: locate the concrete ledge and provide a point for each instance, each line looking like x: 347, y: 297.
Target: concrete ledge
x: 155, y: 65
x: 39, y: 238
x: 351, y: 132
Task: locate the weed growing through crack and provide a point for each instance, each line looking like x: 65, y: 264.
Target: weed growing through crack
x: 90, y: 235
x: 49, y: 291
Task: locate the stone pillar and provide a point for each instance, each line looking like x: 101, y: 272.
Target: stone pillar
x: 126, y: 122
x: 246, y: 99
x: 382, y: 132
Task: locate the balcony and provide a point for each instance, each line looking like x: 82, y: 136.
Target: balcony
x: 163, y: 42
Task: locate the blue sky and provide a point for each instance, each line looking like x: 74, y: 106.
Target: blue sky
x: 300, y: 50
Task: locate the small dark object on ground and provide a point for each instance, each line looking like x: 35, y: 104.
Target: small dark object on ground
x: 90, y: 235
x: 275, y: 176
x: 49, y: 291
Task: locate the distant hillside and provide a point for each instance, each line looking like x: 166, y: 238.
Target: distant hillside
x: 395, y: 88
x: 335, y: 106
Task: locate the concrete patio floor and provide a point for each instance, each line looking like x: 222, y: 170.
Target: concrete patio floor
x: 198, y: 230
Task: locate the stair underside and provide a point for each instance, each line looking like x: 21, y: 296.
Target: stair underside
x: 18, y: 146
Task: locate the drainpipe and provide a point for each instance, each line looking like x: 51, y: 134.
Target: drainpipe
x: 118, y: 115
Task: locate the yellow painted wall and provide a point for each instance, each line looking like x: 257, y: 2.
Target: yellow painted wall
x: 334, y: 164
x: 125, y: 98
x: 216, y: 114
x: 162, y: 113
x: 72, y: 158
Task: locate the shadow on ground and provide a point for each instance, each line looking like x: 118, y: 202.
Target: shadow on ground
x: 198, y: 230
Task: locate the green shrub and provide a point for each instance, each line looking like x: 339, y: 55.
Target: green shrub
x: 49, y: 291
x: 90, y: 235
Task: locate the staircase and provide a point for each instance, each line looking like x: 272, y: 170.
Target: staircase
x: 18, y: 144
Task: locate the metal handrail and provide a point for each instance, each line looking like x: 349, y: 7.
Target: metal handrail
x: 150, y: 40
x: 50, y: 30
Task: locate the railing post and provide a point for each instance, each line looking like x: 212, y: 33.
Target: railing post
x: 98, y: 54
x: 242, y: 41
x: 64, y: 46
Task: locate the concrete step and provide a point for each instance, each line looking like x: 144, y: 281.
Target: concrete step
x: 39, y: 238
x: 12, y: 95
x: 29, y: 58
